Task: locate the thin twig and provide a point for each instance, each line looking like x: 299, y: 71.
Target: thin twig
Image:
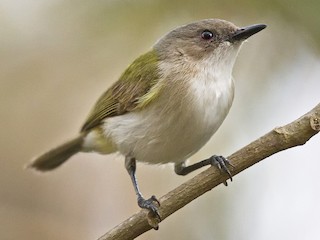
x: 293, y: 134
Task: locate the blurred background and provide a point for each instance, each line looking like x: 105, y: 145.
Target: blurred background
x: 57, y: 57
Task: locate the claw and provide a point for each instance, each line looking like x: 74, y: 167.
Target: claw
x: 153, y: 198
x: 221, y: 163
x: 150, y: 205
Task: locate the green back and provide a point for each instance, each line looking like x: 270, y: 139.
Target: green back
x: 123, y: 96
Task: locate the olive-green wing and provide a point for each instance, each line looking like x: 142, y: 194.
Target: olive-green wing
x: 137, y: 83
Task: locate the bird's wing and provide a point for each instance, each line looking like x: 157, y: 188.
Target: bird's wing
x: 135, y: 89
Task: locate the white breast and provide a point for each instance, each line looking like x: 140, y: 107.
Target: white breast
x: 179, y: 123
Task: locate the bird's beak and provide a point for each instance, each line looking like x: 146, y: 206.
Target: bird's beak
x: 245, y: 32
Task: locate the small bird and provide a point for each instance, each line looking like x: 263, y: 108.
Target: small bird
x: 166, y: 105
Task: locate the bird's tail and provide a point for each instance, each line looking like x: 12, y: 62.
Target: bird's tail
x: 56, y: 156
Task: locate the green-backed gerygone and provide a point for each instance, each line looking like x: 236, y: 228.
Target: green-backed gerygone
x: 166, y: 105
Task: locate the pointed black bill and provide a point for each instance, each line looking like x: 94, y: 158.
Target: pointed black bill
x: 245, y: 32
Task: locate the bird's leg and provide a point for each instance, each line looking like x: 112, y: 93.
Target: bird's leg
x: 130, y: 164
x: 218, y: 161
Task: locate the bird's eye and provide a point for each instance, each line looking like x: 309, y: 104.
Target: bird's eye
x: 206, y: 35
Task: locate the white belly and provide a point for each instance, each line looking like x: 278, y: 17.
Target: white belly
x: 171, y: 130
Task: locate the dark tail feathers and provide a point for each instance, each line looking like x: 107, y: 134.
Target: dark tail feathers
x: 58, y: 155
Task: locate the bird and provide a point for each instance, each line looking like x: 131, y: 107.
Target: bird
x: 166, y: 105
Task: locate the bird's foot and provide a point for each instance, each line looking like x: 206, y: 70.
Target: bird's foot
x: 222, y: 164
x: 152, y: 204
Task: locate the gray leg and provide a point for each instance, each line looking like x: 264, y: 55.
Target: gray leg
x: 218, y: 161
x: 130, y: 164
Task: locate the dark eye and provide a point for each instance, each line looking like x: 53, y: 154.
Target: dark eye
x: 206, y: 35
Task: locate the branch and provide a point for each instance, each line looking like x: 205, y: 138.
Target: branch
x: 291, y: 135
